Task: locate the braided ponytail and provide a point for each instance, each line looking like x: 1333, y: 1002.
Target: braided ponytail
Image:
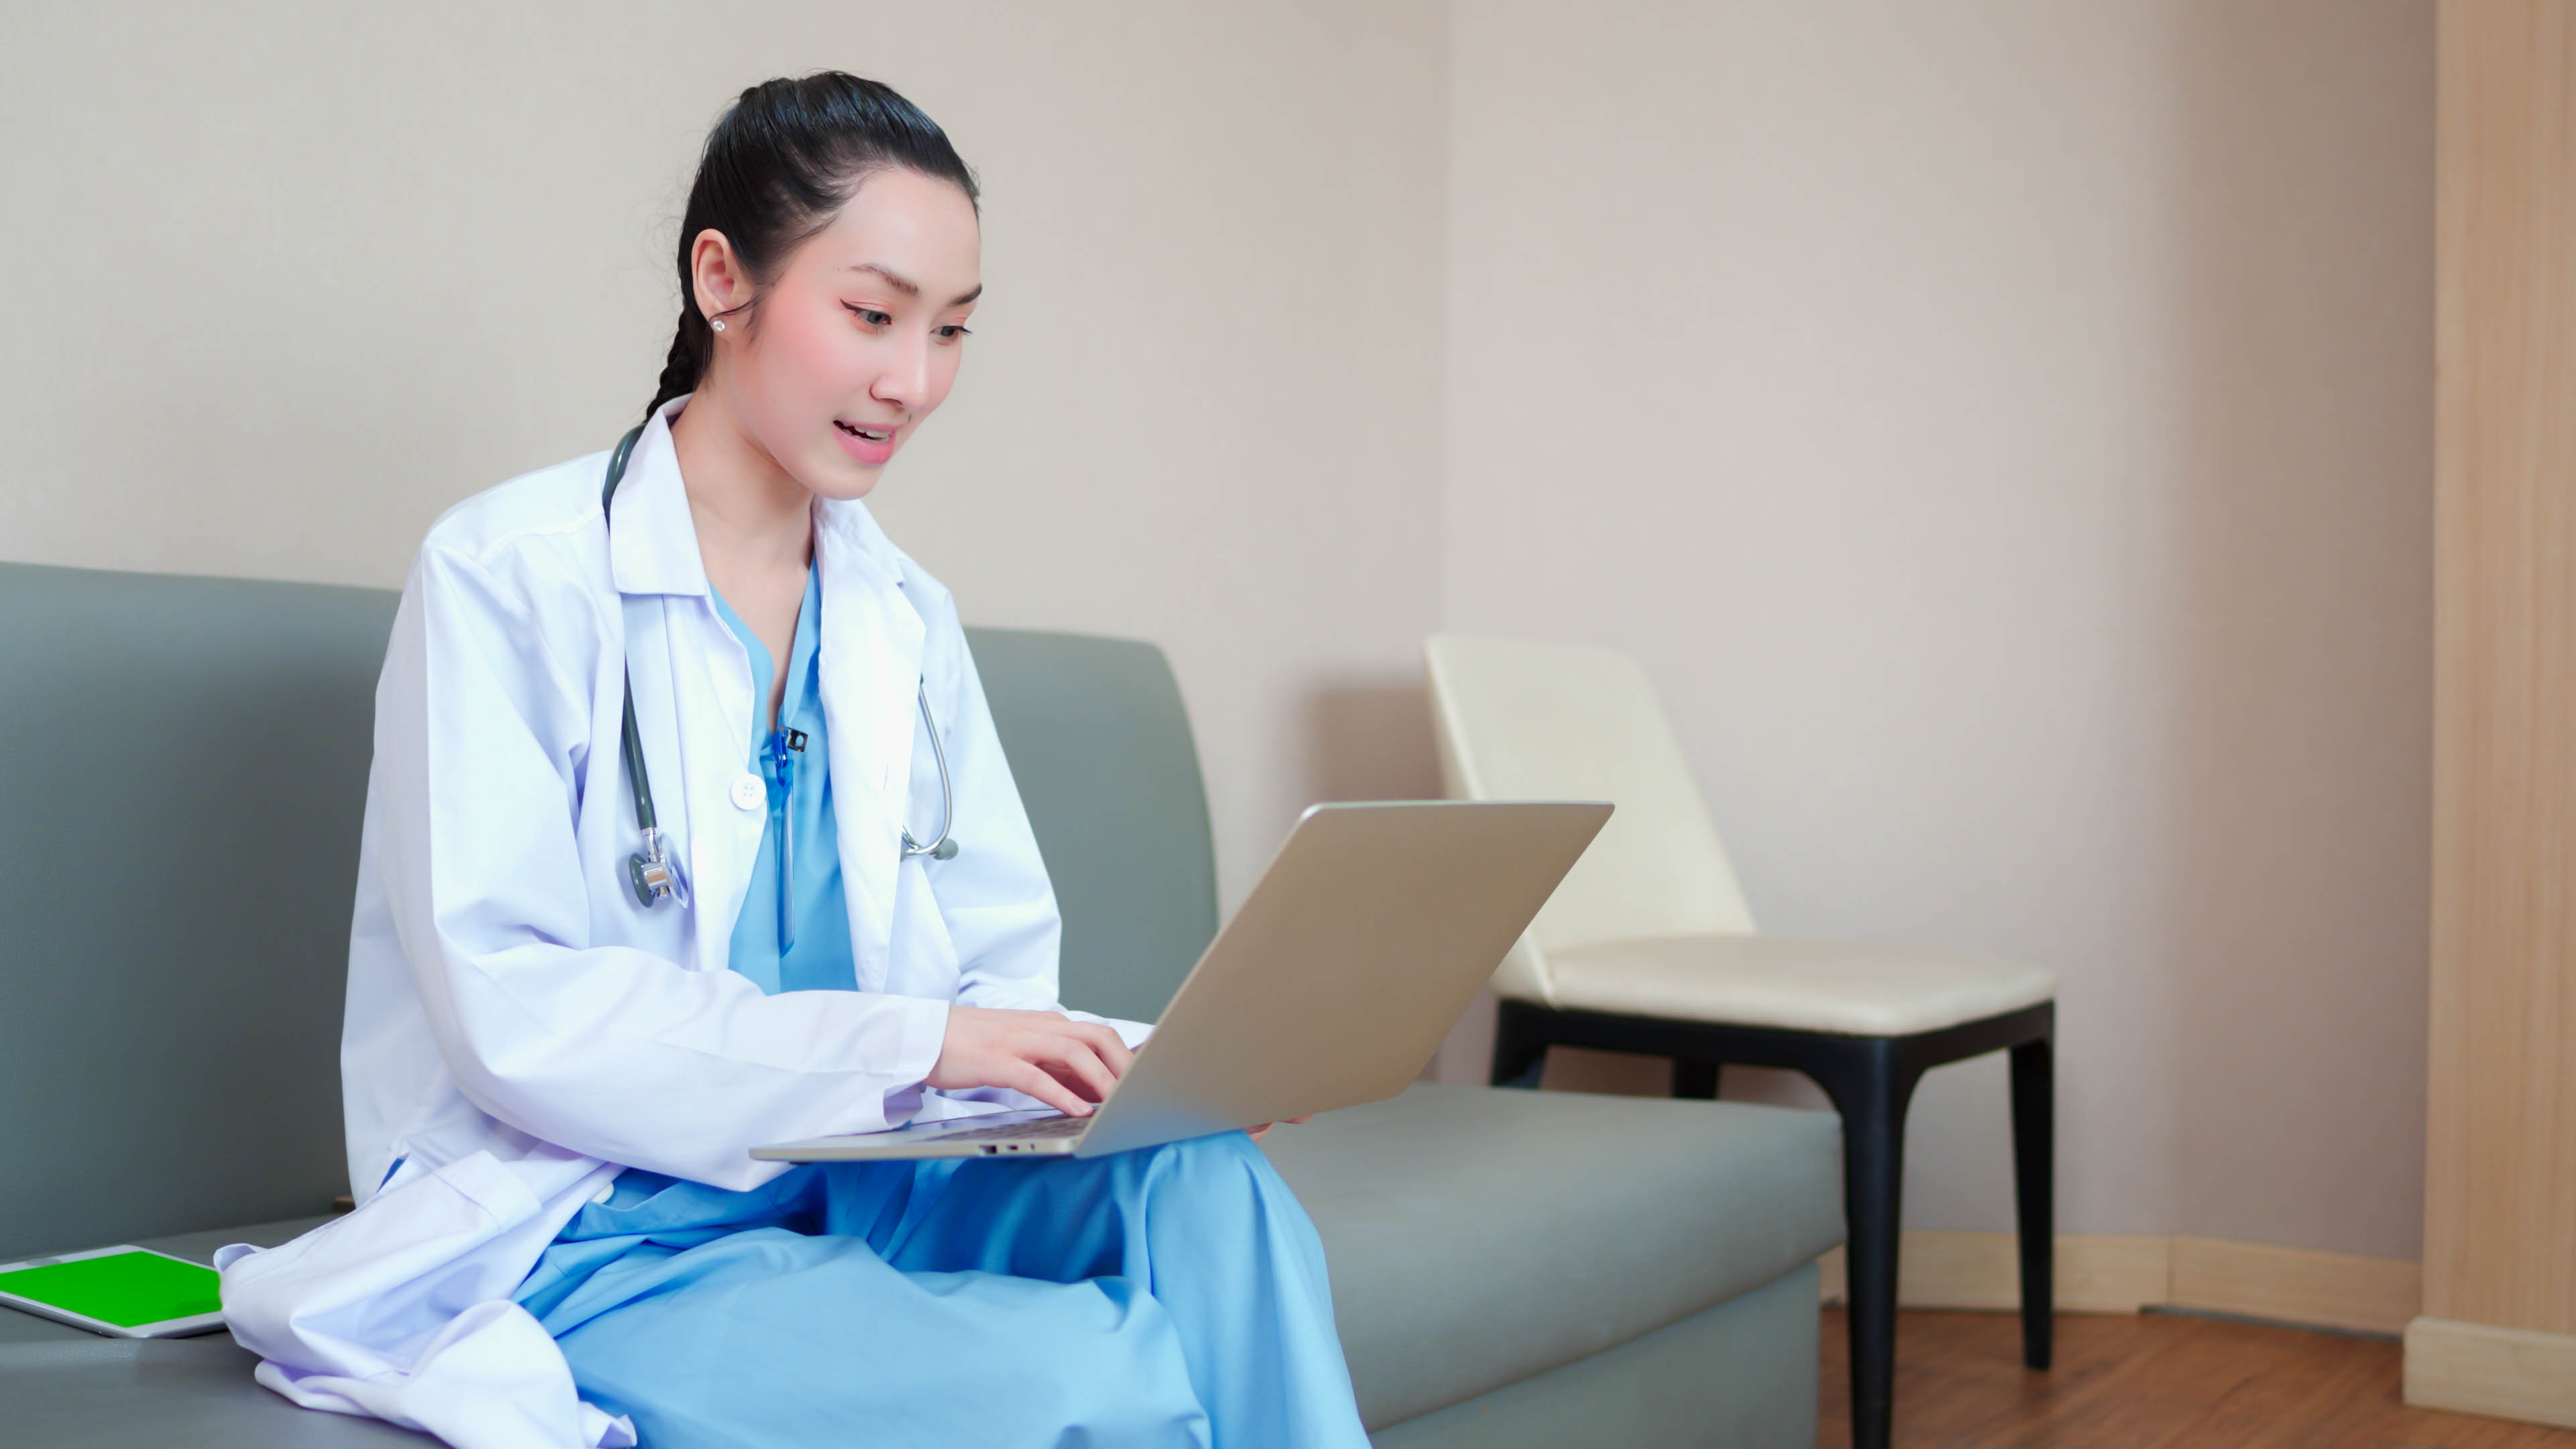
x: 687, y: 364
x: 781, y: 160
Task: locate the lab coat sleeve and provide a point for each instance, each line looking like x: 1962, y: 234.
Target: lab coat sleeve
x: 483, y: 747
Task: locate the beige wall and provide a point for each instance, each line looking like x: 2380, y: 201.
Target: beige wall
x: 2003, y: 429
x: 291, y: 279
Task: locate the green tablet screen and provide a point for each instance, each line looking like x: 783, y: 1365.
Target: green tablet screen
x: 126, y: 1289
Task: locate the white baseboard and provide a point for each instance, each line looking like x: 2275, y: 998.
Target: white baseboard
x: 2477, y: 1368
x: 2103, y: 1273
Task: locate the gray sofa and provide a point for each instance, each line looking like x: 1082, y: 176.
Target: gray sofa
x: 182, y: 765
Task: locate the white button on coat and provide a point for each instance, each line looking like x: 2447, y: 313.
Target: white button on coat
x: 519, y: 1028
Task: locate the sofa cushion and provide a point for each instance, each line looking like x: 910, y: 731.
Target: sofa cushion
x: 69, y: 1389
x: 1478, y: 1236
x: 1743, y: 1375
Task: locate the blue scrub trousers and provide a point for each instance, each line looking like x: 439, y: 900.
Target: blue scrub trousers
x: 1170, y: 1296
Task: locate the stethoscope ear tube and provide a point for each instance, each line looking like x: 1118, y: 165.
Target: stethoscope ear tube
x: 648, y: 870
x: 630, y: 749
x: 943, y: 848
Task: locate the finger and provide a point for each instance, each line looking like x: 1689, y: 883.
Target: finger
x: 1110, y: 1047
x: 1024, y: 1077
x: 1103, y: 1042
x: 1073, y: 1064
x: 1257, y: 1133
x: 1301, y: 1121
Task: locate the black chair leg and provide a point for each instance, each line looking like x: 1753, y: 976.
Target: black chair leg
x: 1695, y: 1079
x: 2034, y: 1115
x: 1520, y: 1048
x: 1871, y: 1081
x: 1872, y: 1089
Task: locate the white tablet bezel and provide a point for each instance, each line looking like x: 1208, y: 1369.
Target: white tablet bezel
x: 164, y: 1328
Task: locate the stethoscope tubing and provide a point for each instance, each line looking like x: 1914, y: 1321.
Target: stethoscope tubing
x: 649, y: 870
x: 943, y: 848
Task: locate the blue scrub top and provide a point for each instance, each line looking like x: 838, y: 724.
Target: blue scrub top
x: 794, y: 931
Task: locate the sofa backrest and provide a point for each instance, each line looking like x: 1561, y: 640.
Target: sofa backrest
x: 183, y: 764
x: 183, y: 769
x: 1100, y: 745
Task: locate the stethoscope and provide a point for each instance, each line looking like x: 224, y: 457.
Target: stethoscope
x: 649, y: 869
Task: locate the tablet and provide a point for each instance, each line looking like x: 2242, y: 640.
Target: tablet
x: 124, y: 1291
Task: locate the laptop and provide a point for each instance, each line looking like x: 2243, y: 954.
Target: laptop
x: 1335, y: 982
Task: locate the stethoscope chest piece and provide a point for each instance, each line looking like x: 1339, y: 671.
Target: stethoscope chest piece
x: 650, y: 872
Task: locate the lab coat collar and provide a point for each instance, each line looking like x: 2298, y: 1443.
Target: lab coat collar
x: 847, y: 523
x: 872, y: 645
x: 652, y: 539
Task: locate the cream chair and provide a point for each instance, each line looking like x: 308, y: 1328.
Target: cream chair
x: 1649, y: 947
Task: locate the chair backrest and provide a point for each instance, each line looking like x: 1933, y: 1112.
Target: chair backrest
x: 1100, y: 745
x: 183, y: 771
x: 1522, y: 719
x: 183, y: 768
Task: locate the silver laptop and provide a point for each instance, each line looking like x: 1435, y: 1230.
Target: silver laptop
x: 1332, y: 986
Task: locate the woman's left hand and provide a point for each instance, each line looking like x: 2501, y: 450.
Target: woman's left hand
x: 1264, y: 1129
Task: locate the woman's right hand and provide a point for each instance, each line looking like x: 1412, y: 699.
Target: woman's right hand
x: 1067, y: 1064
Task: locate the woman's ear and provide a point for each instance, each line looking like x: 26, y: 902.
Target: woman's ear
x: 716, y: 275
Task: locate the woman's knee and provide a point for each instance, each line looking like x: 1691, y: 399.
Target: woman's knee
x: 1225, y: 1168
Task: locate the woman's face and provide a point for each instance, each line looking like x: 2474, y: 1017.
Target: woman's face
x: 857, y: 339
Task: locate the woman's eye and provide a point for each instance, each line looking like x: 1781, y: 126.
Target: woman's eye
x: 952, y: 332
x: 870, y: 315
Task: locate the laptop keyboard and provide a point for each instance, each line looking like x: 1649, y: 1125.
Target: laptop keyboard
x: 1051, y: 1127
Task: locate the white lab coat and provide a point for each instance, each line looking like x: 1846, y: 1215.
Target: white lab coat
x: 519, y: 1028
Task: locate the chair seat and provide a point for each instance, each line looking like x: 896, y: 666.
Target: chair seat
x: 1845, y: 988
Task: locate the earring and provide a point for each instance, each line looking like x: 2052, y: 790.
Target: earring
x: 717, y: 324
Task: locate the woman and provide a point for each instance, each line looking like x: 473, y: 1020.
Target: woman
x: 565, y: 1032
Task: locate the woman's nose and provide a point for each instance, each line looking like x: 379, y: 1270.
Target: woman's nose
x: 906, y: 380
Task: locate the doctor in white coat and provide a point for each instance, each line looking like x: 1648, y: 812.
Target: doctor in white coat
x: 552, y: 1083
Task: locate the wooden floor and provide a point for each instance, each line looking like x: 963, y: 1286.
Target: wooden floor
x: 2144, y: 1381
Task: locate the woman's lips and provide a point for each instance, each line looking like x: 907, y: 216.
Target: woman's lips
x: 867, y: 451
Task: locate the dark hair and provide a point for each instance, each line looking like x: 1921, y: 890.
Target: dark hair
x: 780, y: 161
